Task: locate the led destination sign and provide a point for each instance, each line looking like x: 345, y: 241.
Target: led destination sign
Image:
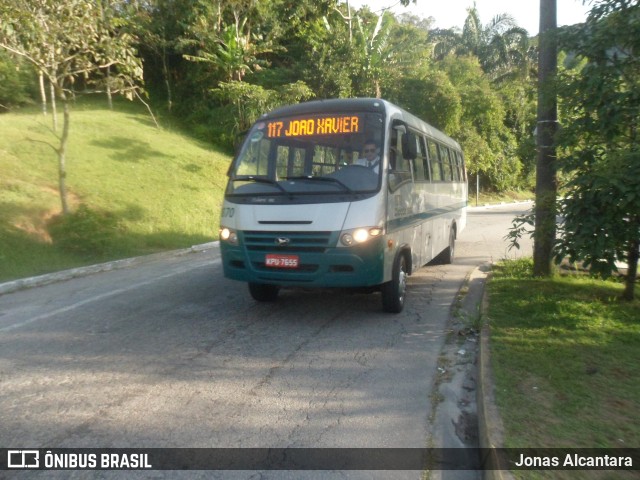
x: 301, y: 127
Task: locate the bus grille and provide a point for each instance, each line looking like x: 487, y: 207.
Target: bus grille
x: 287, y: 242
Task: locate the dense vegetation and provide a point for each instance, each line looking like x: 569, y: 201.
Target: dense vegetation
x: 216, y: 65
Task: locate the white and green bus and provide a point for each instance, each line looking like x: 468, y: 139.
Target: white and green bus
x: 304, y: 208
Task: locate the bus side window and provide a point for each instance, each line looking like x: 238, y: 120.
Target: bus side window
x: 425, y: 158
x: 455, y: 168
x: 418, y: 162
x: 460, y: 162
x: 399, y: 158
x: 446, y: 164
x: 399, y: 164
x: 434, y: 162
x: 395, y: 147
x: 393, y: 158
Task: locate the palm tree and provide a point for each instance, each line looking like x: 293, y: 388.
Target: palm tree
x: 501, y: 46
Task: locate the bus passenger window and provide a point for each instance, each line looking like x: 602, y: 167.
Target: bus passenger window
x: 446, y: 164
x: 418, y: 162
x: 463, y: 173
x: 393, y: 158
x: 454, y: 166
x: 434, y: 162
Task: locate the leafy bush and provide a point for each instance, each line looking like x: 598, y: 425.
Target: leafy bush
x: 85, y: 232
x: 521, y: 268
x: 17, y: 83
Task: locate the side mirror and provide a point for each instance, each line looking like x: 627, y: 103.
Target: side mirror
x: 408, y: 141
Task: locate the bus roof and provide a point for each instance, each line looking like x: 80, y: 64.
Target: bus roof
x: 330, y: 105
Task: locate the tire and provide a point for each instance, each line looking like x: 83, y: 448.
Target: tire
x: 394, y: 292
x: 263, y: 292
x: 448, y: 254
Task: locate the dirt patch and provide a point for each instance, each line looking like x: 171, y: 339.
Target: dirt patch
x: 33, y: 219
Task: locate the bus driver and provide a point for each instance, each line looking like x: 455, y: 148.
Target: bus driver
x: 371, y: 156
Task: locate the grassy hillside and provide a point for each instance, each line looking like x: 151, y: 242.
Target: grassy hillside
x: 147, y: 189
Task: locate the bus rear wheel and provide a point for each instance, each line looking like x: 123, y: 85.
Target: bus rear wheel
x: 449, y: 253
x: 446, y: 256
x: 393, y: 292
x: 263, y: 292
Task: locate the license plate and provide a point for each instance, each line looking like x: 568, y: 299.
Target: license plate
x: 274, y: 260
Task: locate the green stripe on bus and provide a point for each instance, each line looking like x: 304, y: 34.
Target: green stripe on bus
x: 417, y: 218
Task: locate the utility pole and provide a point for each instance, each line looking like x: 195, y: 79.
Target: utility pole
x: 546, y: 181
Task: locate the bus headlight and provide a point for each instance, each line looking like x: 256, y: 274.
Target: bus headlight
x: 359, y: 235
x: 229, y: 236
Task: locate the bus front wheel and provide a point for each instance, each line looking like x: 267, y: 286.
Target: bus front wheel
x: 263, y: 292
x: 393, y: 292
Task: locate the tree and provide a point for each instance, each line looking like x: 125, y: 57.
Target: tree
x: 232, y: 46
x: 602, y: 141
x: 546, y: 180
x: 233, y: 53
x: 502, y: 93
x: 250, y: 101
x: 433, y: 97
x: 488, y: 143
x: 152, y: 22
x: 501, y: 46
x: 376, y: 53
x: 407, y: 56
x: 67, y: 41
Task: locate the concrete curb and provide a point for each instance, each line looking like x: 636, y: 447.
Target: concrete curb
x: 501, y: 204
x: 490, y: 428
x: 31, y: 282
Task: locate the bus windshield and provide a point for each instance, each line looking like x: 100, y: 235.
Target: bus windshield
x: 315, y: 153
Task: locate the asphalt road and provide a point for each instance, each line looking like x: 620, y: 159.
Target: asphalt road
x: 168, y: 353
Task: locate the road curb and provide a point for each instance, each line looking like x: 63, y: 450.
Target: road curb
x: 40, y: 280
x: 490, y: 427
x: 501, y: 204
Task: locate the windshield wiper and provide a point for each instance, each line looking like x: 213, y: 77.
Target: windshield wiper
x: 268, y: 181
x: 322, y: 179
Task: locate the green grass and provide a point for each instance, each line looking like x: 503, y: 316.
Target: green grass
x: 163, y: 188
x: 566, y: 357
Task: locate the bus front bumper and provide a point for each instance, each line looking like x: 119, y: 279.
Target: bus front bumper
x: 357, y: 266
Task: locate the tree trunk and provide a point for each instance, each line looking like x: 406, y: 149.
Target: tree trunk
x: 43, y: 93
x: 632, y: 264
x: 350, y: 23
x: 546, y: 182
x: 109, y: 94
x: 62, y: 151
x: 165, y: 74
x: 54, y: 108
